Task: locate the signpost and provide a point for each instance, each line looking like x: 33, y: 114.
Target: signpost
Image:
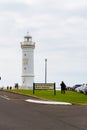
x: 44, y: 86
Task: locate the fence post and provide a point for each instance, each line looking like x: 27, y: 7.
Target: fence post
x: 33, y: 88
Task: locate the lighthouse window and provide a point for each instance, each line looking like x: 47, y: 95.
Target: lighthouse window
x: 25, y: 54
x: 24, y: 68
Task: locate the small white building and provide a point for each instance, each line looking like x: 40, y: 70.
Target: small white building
x: 27, y: 62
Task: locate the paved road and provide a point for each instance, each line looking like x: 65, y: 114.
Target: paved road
x: 16, y: 114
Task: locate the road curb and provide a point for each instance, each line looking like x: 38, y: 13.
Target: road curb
x: 47, y: 102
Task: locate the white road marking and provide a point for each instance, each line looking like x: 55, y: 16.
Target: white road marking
x: 5, y: 97
x: 48, y: 102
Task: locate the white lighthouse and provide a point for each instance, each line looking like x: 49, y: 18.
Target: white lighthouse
x: 27, y: 62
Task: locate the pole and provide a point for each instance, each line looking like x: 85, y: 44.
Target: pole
x: 45, y: 70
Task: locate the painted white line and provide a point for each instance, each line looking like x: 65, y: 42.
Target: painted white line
x: 48, y: 102
x: 5, y: 97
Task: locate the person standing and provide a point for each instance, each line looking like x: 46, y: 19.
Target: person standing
x: 63, y: 87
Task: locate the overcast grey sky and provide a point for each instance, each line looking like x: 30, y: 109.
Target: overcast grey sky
x: 59, y: 29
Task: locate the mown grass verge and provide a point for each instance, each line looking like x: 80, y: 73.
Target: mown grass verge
x: 69, y: 96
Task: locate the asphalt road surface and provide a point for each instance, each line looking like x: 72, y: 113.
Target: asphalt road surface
x: 17, y: 114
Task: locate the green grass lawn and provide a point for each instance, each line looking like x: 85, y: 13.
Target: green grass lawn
x: 69, y: 96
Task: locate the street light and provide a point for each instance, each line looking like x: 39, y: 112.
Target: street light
x: 45, y: 70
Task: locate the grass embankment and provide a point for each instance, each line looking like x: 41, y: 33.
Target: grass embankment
x: 69, y: 96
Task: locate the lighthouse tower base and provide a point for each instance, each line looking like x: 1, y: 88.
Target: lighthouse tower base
x: 27, y: 82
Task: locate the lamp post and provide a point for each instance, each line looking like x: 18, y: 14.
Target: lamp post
x: 45, y: 70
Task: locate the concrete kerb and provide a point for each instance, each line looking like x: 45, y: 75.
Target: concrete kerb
x: 48, y: 102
